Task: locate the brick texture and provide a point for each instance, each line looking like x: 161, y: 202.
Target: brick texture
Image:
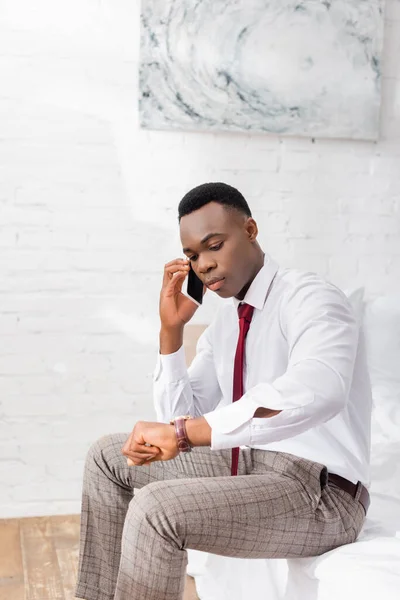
x: 88, y: 218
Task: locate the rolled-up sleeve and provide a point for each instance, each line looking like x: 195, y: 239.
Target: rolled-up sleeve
x: 180, y: 390
x: 322, y: 336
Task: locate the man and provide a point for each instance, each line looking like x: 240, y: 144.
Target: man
x: 294, y: 395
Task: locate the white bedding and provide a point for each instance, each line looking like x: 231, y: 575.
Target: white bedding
x: 368, y: 568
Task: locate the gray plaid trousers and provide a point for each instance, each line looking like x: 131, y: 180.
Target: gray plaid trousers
x: 137, y: 522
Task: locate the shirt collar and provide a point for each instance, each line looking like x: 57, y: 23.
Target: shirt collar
x: 257, y: 292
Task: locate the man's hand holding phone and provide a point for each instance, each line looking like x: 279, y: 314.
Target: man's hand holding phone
x: 157, y: 441
x: 176, y: 309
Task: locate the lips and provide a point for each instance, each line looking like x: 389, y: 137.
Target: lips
x: 215, y: 283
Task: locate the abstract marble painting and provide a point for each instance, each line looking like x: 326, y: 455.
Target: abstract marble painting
x: 289, y: 67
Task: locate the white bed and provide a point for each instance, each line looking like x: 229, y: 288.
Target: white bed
x: 370, y: 567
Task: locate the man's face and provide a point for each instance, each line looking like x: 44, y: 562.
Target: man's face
x: 218, y: 245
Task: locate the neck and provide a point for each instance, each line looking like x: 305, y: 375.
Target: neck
x: 258, y: 265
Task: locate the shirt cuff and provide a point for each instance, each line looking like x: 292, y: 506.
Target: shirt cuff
x: 172, y: 366
x: 219, y: 441
x: 232, y: 416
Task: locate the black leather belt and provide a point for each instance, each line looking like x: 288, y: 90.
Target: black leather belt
x: 351, y: 488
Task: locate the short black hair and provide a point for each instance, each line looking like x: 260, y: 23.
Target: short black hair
x: 219, y: 192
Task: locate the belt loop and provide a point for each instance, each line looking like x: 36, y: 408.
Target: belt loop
x: 358, y: 491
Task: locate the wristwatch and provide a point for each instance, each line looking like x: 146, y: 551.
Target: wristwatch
x: 180, y: 429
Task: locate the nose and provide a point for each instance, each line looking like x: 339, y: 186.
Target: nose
x: 205, y: 266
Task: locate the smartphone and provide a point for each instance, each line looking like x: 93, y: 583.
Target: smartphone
x: 195, y: 287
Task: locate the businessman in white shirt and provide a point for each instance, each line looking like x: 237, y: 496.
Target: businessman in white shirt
x: 279, y: 378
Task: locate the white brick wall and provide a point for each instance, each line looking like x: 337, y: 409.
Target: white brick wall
x: 88, y: 218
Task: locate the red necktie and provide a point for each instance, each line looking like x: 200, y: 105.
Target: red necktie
x: 245, y: 315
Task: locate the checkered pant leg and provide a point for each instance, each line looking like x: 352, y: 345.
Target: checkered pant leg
x: 108, y: 487
x: 134, y: 541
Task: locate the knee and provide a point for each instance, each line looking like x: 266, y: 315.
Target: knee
x: 96, y: 449
x: 156, y: 507
x: 104, y: 450
x: 148, y: 500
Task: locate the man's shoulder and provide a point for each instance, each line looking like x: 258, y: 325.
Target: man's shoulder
x: 296, y: 279
x: 300, y: 285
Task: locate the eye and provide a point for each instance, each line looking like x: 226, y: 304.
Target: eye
x: 217, y: 247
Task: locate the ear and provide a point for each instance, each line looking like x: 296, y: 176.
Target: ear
x: 251, y: 229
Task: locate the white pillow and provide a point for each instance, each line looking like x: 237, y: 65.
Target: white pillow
x: 356, y: 298
x: 382, y: 331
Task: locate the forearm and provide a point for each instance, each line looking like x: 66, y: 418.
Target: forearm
x: 170, y: 340
x: 199, y: 431
x: 172, y: 393
x: 178, y: 390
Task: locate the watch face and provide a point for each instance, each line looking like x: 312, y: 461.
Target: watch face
x: 183, y: 446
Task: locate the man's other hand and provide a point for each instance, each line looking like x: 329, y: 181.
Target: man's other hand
x: 160, y: 436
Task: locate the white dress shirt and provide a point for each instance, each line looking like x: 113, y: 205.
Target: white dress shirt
x: 305, y: 355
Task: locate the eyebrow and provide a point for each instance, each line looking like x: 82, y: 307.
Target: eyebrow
x: 204, y: 240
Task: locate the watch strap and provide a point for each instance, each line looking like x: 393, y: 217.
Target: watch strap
x: 181, y: 435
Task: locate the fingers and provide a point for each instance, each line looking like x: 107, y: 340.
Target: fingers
x: 176, y: 284
x: 133, y: 449
x: 179, y: 265
x: 136, y: 458
x: 176, y: 261
x: 127, y: 446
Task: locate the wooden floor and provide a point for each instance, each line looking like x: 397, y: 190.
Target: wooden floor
x: 38, y: 559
